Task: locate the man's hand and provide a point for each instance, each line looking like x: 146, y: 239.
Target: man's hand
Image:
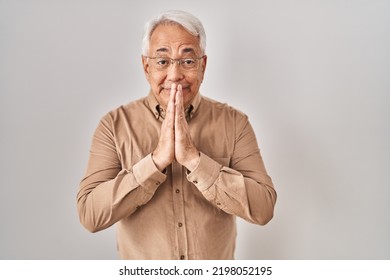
x: 164, y: 154
x: 185, y: 151
x: 175, y: 140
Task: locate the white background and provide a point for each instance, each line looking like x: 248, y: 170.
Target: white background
x: 313, y: 77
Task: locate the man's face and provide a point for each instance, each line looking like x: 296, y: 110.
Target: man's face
x: 173, y: 41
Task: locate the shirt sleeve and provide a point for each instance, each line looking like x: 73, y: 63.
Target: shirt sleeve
x: 243, y: 188
x: 108, y: 192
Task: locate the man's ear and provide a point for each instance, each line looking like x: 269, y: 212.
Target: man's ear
x: 145, y: 65
x: 204, y: 63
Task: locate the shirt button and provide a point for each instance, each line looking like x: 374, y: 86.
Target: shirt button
x: 177, y: 190
x: 218, y: 203
x: 180, y: 224
x: 182, y: 257
x: 195, y: 182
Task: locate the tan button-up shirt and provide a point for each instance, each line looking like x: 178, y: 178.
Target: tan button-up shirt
x: 176, y: 214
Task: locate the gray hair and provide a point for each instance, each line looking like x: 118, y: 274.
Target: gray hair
x: 189, y: 22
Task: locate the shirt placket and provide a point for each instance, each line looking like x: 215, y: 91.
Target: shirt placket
x: 178, y: 211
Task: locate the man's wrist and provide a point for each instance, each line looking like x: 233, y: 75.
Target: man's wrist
x: 160, y: 166
x: 193, y: 162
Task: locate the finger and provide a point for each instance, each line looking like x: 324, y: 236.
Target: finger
x: 173, y: 88
x: 170, y: 114
x: 179, y: 109
x: 172, y: 95
x: 179, y: 95
x: 180, y: 88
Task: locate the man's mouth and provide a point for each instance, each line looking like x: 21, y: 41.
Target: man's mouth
x: 168, y: 88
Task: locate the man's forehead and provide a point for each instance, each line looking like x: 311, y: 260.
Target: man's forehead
x: 173, y: 38
x: 183, y: 50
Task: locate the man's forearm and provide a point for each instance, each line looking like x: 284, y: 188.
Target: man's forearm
x: 100, y: 205
x: 234, y: 193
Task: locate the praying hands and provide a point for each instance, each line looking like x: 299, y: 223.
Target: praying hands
x: 175, y: 141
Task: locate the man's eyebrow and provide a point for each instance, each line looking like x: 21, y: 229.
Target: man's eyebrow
x: 188, y: 50
x: 162, y: 50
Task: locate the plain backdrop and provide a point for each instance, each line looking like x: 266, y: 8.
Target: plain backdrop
x: 313, y: 77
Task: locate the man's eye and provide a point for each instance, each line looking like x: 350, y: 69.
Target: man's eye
x: 188, y: 61
x: 162, y: 61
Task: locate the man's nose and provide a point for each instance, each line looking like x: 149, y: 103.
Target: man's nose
x: 174, y: 72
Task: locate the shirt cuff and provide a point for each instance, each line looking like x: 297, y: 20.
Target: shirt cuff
x: 205, y: 173
x: 147, y: 174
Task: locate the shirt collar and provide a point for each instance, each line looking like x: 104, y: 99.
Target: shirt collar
x: 159, y: 111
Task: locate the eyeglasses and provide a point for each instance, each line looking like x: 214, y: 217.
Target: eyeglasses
x: 163, y: 63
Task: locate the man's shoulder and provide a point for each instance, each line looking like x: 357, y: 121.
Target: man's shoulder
x: 220, y: 107
x: 134, y: 107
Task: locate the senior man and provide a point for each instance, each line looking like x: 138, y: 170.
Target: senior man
x: 174, y: 169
